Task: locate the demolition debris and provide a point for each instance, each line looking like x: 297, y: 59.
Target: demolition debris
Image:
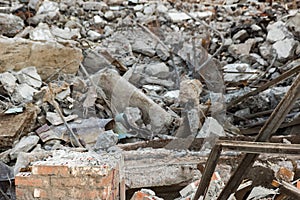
x: 127, y: 99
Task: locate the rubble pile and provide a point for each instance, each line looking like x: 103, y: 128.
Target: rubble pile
x: 123, y: 76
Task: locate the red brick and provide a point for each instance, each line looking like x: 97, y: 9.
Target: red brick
x: 27, y: 179
x: 21, y: 191
x: 59, y: 182
x: 24, y: 193
x: 89, y: 194
x: 72, y: 181
x: 105, y: 193
x: 58, y: 193
x: 107, y: 180
x: 60, y: 170
x: 114, y: 194
x: 139, y: 196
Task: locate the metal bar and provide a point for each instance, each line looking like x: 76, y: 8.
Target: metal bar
x: 273, y: 123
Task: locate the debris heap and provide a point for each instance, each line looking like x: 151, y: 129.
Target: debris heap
x: 132, y: 86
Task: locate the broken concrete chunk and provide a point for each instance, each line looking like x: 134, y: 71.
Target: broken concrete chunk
x: 93, y: 35
x: 210, y: 130
x: 141, y: 46
x: 243, y: 112
x: 190, y: 90
x: 24, y: 93
x: 294, y: 25
x: 266, y: 50
x: 162, y: 52
x: 156, y: 88
x: 94, y: 61
x: 138, y: 7
x: 109, y: 15
x: 159, y: 70
x: 55, y: 118
x: 63, y: 94
x: 147, y: 167
x: 90, y: 5
x: 8, y: 81
x: 241, y: 35
x: 156, y: 81
x: 258, y: 59
x: 228, y: 42
x: 133, y: 115
x: 239, y: 72
x: 193, y: 120
x: 98, y: 21
x: 123, y: 94
x: 171, y: 96
x: 10, y: 24
x: 34, y: 4
x: 255, y: 27
x: 277, y: 32
x: 66, y: 33
x: 150, y: 9
x: 24, y: 145
x: 30, y: 77
x: 47, y: 11
x: 106, y: 140
x: 178, y: 16
x: 202, y: 15
x: 48, y: 7
x: 41, y: 33
x: 285, y: 49
x: 237, y: 50
x: 161, y: 8
x: 47, y: 57
x: 86, y: 129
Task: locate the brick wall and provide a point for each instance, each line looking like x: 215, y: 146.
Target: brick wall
x: 50, y: 182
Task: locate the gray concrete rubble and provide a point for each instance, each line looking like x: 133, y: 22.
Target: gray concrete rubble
x: 106, y: 140
x: 47, y: 10
x: 293, y: 25
x: 8, y: 81
x: 285, y: 49
x: 277, y: 32
x: 10, y: 24
x: 158, y: 82
x: 41, y: 33
x: 124, y: 94
x: 24, y: 145
x: 239, y: 72
x: 29, y: 76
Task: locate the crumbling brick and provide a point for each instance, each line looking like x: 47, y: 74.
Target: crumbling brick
x: 27, y: 179
x: 51, y: 170
x: 48, y: 181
